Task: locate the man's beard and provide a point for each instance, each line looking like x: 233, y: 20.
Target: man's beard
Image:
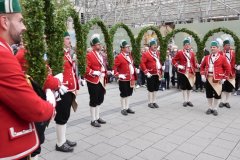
x: 15, y: 37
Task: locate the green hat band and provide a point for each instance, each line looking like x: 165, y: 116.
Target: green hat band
x: 152, y: 42
x: 123, y: 44
x: 214, y: 43
x: 226, y: 42
x: 66, y: 34
x: 10, y: 6
x: 186, y: 41
x: 94, y: 41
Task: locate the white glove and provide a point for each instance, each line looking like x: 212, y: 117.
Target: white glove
x: 238, y: 67
x: 148, y: 75
x: 110, y: 72
x: 198, y: 65
x: 121, y: 76
x: 59, y: 77
x: 50, y: 97
x: 163, y: 68
x: 180, y: 66
x: 96, y: 73
x: 63, y: 89
x: 57, y: 96
x: 137, y: 70
x: 83, y: 82
x: 222, y: 81
x: 203, y: 78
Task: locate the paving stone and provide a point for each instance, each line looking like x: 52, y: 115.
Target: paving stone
x: 217, y: 151
x: 191, y: 148
x: 126, y: 152
x: 178, y: 155
x: 101, y: 149
x: 94, y: 139
x: 152, y: 154
x: 111, y: 156
x: 165, y: 146
x: 140, y: 144
x: 117, y: 141
x: 204, y: 156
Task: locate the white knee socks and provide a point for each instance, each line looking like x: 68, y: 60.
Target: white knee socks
x: 150, y: 97
x: 188, y: 95
x: 123, y: 104
x: 210, y: 103
x: 215, y: 104
x: 97, y: 112
x: 184, y: 92
x: 127, y: 102
x: 61, y: 134
x: 93, y: 113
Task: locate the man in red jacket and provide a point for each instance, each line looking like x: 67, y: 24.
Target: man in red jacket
x: 152, y: 68
x: 185, y: 62
x: 229, y: 84
x: 124, y: 69
x: 18, y: 101
x: 214, y: 71
x: 96, y: 80
x: 68, y: 88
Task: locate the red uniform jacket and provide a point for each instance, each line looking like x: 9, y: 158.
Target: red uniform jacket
x: 22, y: 60
x: 93, y: 64
x: 121, y: 66
x: 148, y: 63
x: 221, y: 68
x: 20, y: 106
x: 69, y: 73
x: 181, y: 59
x: 232, y: 61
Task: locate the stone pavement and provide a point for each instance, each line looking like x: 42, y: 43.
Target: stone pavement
x: 171, y: 132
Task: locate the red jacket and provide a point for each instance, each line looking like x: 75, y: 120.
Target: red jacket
x: 69, y: 73
x: 221, y: 68
x: 232, y: 61
x: 181, y: 59
x: 20, y: 106
x: 148, y: 63
x: 121, y: 66
x: 22, y: 60
x: 94, y: 64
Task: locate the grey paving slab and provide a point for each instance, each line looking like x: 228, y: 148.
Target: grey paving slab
x: 217, y: 151
x: 204, y: 156
x: 101, y: 149
x: 179, y: 155
x: 152, y: 154
x: 126, y: 152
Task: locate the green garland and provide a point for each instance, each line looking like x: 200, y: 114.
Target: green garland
x: 227, y: 31
x: 137, y: 50
x: 80, y: 50
x: 33, y: 39
x: 112, y: 32
x: 55, y: 28
x: 193, y: 34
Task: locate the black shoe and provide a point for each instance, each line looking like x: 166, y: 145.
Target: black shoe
x: 190, y: 104
x: 150, y: 105
x: 221, y: 105
x: 101, y: 121
x: 95, y: 124
x: 124, y: 112
x: 155, y: 105
x: 227, y: 105
x: 209, y: 111
x: 185, y: 104
x: 71, y: 144
x: 129, y: 110
x: 215, y: 113
x: 64, y: 148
